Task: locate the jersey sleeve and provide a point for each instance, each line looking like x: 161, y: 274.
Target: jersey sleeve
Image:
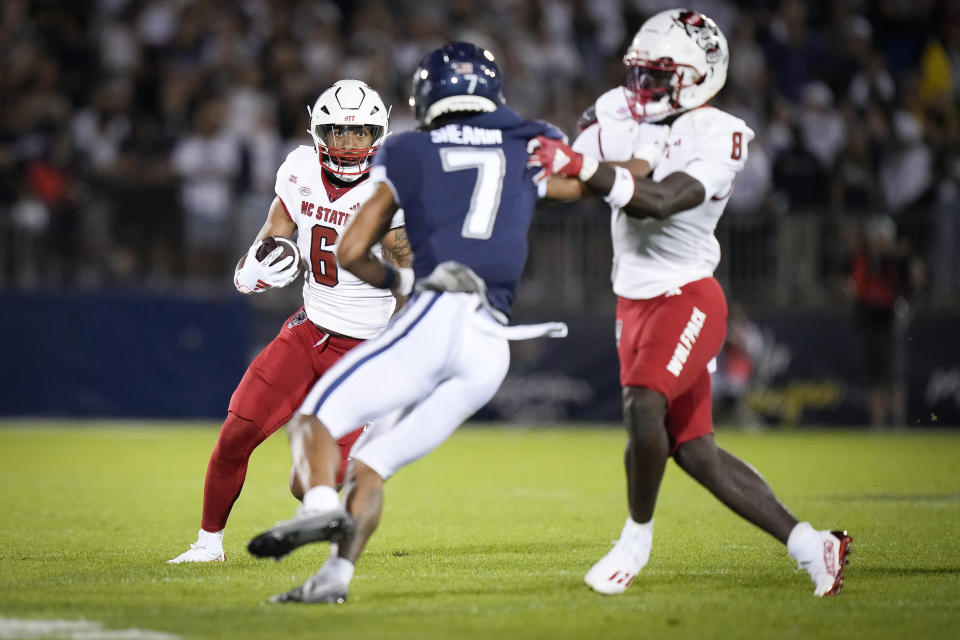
x: 550, y: 130
x: 588, y: 142
x: 718, y: 158
x: 286, y: 182
x: 383, y: 170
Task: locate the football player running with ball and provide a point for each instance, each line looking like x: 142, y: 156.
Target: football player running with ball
x: 468, y: 197
x: 319, y: 190
x: 666, y: 163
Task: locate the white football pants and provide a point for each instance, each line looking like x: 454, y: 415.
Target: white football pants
x: 440, y: 360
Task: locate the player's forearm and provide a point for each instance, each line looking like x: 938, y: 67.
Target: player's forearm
x: 642, y: 197
x: 354, y: 251
x: 396, y: 250
x: 367, y: 267
x: 396, y: 247
x: 278, y: 223
x: 561, y: 189
x: 375, y: 272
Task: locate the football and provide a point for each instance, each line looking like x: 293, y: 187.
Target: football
x: 270, y: 243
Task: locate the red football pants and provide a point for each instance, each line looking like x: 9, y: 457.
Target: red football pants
x: 272, y: 388
x: 665, y: 344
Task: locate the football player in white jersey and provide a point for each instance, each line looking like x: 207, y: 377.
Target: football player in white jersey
x: 319, y: 188
x: 666, y: 163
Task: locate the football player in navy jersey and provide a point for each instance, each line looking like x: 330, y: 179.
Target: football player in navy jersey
x: 468, y: 196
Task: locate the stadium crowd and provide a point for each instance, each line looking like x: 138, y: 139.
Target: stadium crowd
x: 139, y: 139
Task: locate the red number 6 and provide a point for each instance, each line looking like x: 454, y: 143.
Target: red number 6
x: 322, y: 258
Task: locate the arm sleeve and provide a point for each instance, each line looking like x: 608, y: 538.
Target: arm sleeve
x: 552, y: 131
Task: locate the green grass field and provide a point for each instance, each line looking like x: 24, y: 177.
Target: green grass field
x: 489, y: 537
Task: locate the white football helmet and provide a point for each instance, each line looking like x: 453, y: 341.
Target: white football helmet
x: 348, y: 103
x: 677, y: 61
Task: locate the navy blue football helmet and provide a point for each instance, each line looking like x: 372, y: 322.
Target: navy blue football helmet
x: 458, y: 76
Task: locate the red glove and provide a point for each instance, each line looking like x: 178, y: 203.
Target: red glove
x: 555, y: 157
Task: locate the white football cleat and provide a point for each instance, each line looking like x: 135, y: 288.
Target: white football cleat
x: 614, y: 572
x: 199, y: 553
x: 826, y: 566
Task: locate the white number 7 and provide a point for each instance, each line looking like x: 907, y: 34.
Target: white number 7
x: 491, y: 166
x: 472, y: 79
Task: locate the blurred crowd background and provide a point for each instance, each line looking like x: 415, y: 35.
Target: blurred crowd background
x: 139, y: 143
x: 139, y: 139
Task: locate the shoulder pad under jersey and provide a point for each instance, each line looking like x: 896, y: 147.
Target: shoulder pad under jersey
x: 587, y: 118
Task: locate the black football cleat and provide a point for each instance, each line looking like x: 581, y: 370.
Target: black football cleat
x: 304, y: 528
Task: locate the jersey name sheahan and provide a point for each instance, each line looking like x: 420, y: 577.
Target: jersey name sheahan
x: 651, y: 257
x: 334, y: 298
x: 468, y: 195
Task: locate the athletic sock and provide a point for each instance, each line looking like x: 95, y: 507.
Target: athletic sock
x: 211, y: 540
x: 321, y: 498
x: 340, y: 569
x: 803, y: 541
x: 636, y: 531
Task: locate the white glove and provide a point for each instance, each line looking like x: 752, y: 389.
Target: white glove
x: 256, y: 276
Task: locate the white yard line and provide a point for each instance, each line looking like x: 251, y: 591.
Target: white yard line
x: 20, y: 629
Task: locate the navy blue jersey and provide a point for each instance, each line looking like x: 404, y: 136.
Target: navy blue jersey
x: 467, y: 195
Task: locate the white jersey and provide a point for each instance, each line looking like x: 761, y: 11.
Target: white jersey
x: 334, y: 298
x: 650, y: 256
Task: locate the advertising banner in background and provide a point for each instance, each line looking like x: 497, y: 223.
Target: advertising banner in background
x: 121, y: 354
x: 797, y: 369
x: 142, y: 356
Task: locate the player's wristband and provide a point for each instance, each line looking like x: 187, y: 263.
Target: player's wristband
x: 589, y: 167
x: 389, y: 280
x: 622, y: 190
x: 405, y: 279
x: 399, y: 281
